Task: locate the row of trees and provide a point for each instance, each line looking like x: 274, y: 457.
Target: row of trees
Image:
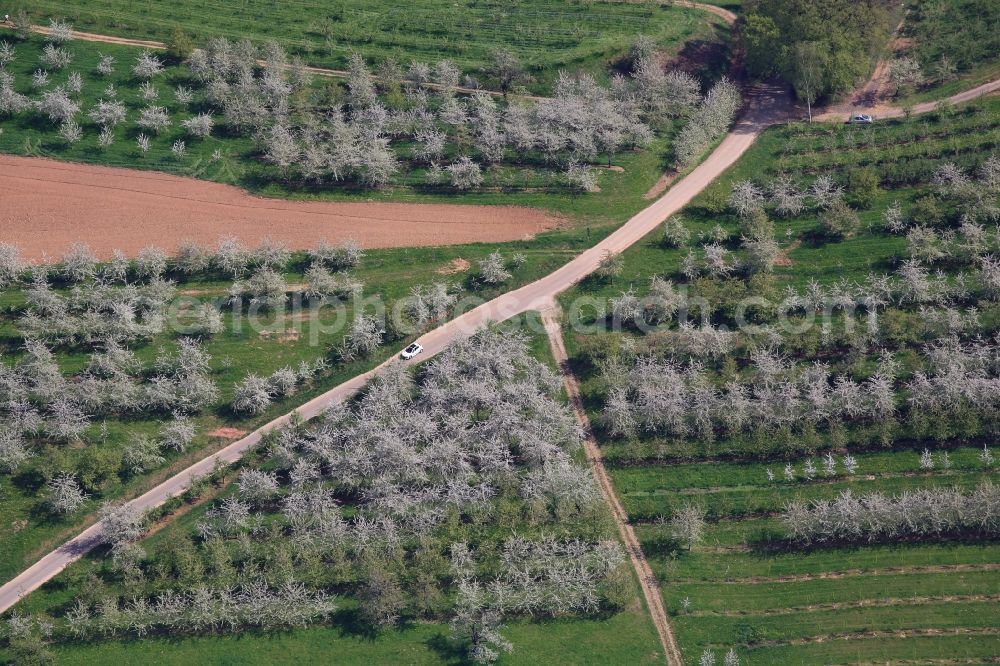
x: 708, y: 122
x: 959, y: 197
x: 451, y: 136
x: 547, y: 577
x: 941, y: 300
x: 251, y: 605
x: 652, y: 395
x: 480, y: 435
x: 930, y: 512
x: 36, y: 400
x: 93, y: 312
x: 62, y: 104
x: 103, y: 305
x: 230, y: 258
x: 951, y: 39
x: 254, y: 394
x: 65, y: 494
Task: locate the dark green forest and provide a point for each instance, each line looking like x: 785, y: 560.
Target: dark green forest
x: 822, y: 48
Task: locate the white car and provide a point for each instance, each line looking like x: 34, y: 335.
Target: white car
x: 861, y: 119
x: 410, y: 351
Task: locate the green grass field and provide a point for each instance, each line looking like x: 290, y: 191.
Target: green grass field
x: 868, y: 603
x: 547, y: 35
x: 624, y: 638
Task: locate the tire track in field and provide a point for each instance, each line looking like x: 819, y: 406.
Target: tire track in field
x: 726, y: 15
x: 648, y: 581
x: 843, y: 605
x: 932, y: 662
x: 819, y: 481
x: 846, y: 573
x: 879, y: 634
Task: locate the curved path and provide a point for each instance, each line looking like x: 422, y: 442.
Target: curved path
x: 766, y: 107
x: 869, y: 99
x: 721, y: 12
x: 923, y: 107
x: 46, y: 204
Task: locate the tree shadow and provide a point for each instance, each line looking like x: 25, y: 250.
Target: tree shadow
x: 770, y: 543
x: 448, y: 650
x: 29, y: 481
x: 663, y: 546
x: 705, y: 59
x: 351, y: 623
x: 593, y: 282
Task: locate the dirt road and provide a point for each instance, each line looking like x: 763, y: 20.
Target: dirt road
x: 873, y: 98
x: 647, y: 580
x: 724, y: 14
x: 836, y: 113
x: 48, y: 205
x: 766, y: 107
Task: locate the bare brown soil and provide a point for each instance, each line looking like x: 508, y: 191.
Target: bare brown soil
x: 48, y: 205
x: 457, y: 265
x: 783, y: 258
x: 661, y: 185
x: 227, y: 433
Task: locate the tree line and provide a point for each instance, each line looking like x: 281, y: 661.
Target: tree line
x: 821, y: 48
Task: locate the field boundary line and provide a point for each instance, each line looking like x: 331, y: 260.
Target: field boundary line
x: 847, y: 573
x: 647, y: 579
x: 800, y: 484
x: 723, y: 13
x: 879, y: 634
x: 933, y: 662
x: 842, y: 605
